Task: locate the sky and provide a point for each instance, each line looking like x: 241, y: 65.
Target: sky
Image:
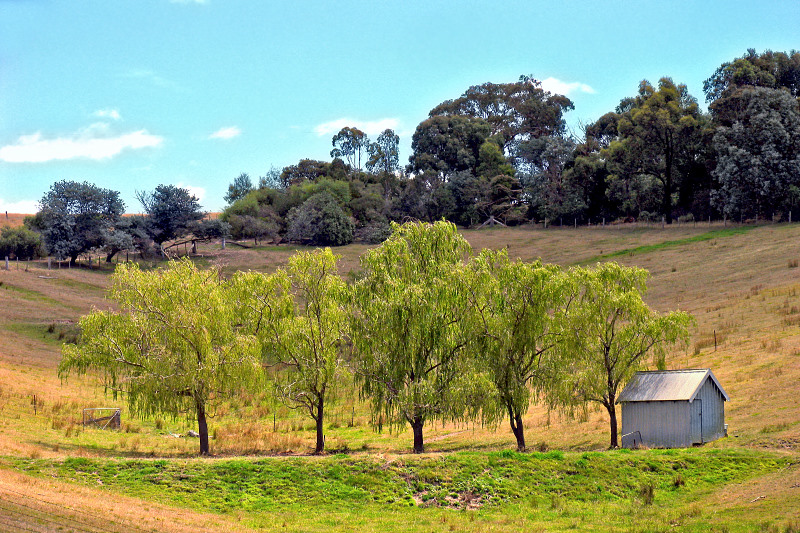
x: 130, y: 94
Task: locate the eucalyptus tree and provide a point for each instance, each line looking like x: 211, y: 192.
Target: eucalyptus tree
x: 350, y: 144
x: 611, y: 334
x: 301, y: 319
x: 241, y: 185
x: 408, y: 332
x: 516, y: 111
x: 657, y: 131
x: 758, y: 152
x: 175, y: 347
x: 516, y: 315
x: 384, y: 153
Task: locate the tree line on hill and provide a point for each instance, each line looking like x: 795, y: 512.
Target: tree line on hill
x: 427, y: 332
x: 499, y: 152
x: 502, y: 152
x: 76, y: 218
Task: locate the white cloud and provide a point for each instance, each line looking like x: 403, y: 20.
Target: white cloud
x: 22, y: 206
x: 93, y: 142
x: 557, y: 86
x: 197, y: 192
x: 226, y: 133
x: 370, y: 127
x: 113, y: 114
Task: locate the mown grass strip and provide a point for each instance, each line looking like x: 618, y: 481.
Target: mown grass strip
x: 647, y: 248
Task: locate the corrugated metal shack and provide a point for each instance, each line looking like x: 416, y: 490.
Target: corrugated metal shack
x: 672, y: 409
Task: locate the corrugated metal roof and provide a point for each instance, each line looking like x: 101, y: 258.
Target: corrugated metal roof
x: 667, y: 385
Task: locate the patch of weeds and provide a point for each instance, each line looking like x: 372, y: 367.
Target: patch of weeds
x: 647, y: 492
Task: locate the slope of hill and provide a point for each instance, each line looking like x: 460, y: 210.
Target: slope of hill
x: 743, y: 287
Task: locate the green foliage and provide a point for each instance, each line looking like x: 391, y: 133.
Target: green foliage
x: 211, y: 229
x: 407, y: 332
x: 769, y: 69
x: 350, y: 144
x: 758, y: 153
x: 448, y: 144
x: 21, y: 242
x: 515, y: 111
x: 610, y: 334
x: 175, y: 347
x: 658, y: 133
x: 320, y: 221
x: 516, y: 319
x: 492, y: 162
x: 240, y: 187
x: 301, y: 322
x: 170, y: 212
x: 384, y: 153
x: 73, y: 215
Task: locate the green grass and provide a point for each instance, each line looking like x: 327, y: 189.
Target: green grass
x: 648, y: 248
x: 547, y: 488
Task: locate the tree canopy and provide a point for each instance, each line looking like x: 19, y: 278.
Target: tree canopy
x: 610, y: 334
x: 171, y: 211
x: 407, y: 330
x: 176, y: 346
x: 74, y: 217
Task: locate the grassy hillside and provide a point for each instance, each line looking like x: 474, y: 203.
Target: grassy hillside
x: 742, y: 285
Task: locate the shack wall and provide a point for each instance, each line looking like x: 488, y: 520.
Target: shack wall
x: 662, y: 424
x: 713, y: 411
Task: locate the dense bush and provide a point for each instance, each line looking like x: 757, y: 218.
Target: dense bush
x: 21, y: 242
x: 320, y: 221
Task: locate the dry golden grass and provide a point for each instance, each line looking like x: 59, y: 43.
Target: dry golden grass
x: 12, y: 219
x: 743, y: 288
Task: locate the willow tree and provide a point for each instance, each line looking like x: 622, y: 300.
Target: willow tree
x: 175, y: 347
x: 301, y: 319
x: 516, y: 314
x: 408, y: 332
x: 612, y: 334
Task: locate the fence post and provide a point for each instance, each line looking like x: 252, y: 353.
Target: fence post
x: 6, y: 262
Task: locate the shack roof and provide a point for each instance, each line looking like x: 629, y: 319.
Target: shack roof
x: 668, y: 385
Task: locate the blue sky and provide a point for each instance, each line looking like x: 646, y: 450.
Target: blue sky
x: 129, y: 94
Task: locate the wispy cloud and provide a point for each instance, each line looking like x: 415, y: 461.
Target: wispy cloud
x: 557, y: 86
x: 22, y: 206
x: 152, y: 77
x: 112, y: 114
x: 93, y: 142
x: 370, y: 127
x: 226, y: 133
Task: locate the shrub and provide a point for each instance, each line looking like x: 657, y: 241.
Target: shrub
x: 21, y: 242
x: 320, y: 221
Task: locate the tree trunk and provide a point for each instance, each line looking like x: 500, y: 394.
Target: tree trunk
x: 320, y: 436
x: 667, y: 203
x: 517, y: 428
x: 202, y: 427
x: 612, y: 416
x: 416, y: 425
